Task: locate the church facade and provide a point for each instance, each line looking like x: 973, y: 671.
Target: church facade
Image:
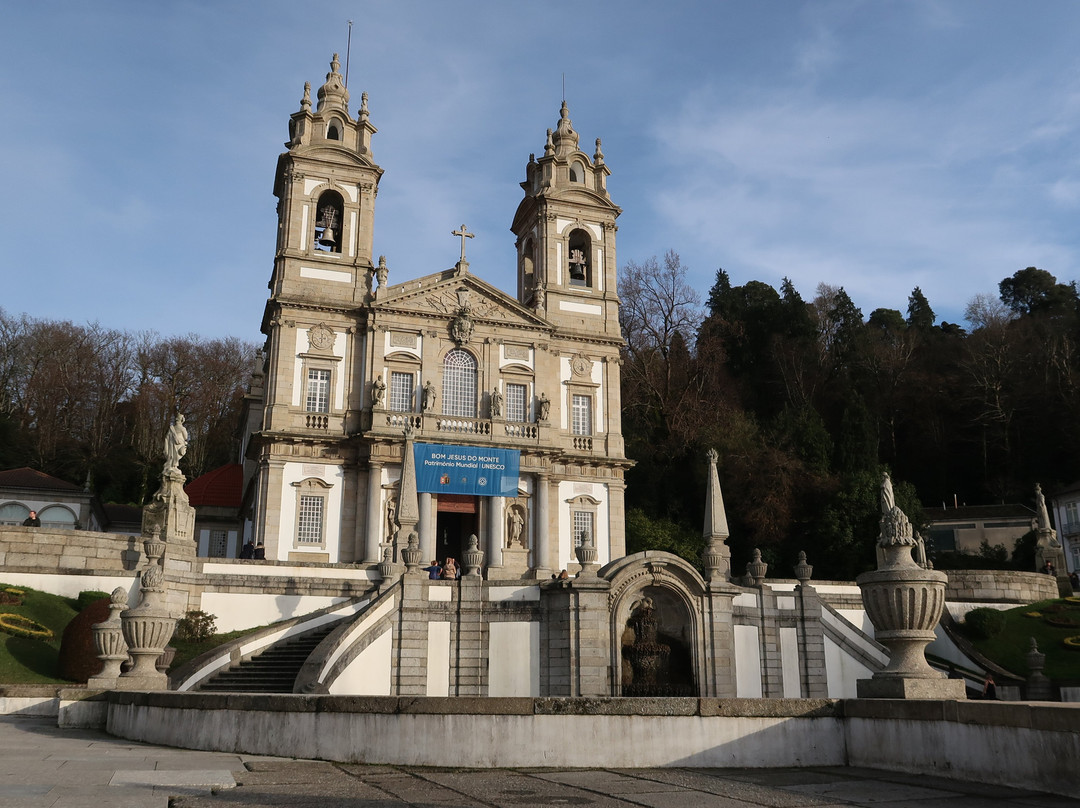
x: 486, y: 383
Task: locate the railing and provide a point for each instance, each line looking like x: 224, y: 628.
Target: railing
x: 316, y: 421
x: 522, y: 430
x: 399, y: 420
x: 463, y: 426
x: 582, y: 444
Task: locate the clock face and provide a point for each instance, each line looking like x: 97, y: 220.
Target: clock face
x: 581, y: 365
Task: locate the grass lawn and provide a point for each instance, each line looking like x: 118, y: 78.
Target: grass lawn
x: 1009, y: 648
x: 26, y: 660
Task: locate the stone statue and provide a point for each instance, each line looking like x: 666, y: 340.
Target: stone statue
x: 378, y: 390
x: 545, y: 408
x: 888, y: 500
x: 496, y: 403
x: 1042, y: 517
x: 176, y: 440
x: 429, y: 395
x: 517, y: 522
x: 391, y: 513
x: 1040, y: 508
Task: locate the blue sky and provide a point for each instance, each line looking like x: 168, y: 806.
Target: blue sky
x: 870, y: 144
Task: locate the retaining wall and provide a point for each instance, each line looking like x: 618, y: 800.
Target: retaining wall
x: 999, y: 586
x: 1021, y: 745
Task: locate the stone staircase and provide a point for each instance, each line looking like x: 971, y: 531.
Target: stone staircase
x: 271, y: 671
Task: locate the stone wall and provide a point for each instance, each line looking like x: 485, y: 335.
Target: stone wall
x: 76, y: 552
x: 951, y: 738
x: 999, y: 586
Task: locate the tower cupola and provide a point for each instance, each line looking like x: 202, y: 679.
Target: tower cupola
x: 333, y: 94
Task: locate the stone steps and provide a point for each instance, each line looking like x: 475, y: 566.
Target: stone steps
x: 272, y: 671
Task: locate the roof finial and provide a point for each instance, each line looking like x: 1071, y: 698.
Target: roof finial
x: 305, y: 102
x: 598, y: 158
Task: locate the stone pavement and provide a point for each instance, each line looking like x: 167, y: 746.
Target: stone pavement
x: 46, y: 766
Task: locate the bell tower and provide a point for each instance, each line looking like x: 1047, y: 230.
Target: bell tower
x: 565, y: 228
x: 326, y: 185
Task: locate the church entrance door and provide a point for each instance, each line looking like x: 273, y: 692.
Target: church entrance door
x: 457, y: 519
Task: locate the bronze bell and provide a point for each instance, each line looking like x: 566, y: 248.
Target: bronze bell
x: 327, y: 238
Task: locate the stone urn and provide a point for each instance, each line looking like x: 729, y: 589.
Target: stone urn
x: 412, y: 555
x: 586, y: 556
x: 109, y: 641
x: 473, y: 558
x: 149, y: 626
x: 904, y: 602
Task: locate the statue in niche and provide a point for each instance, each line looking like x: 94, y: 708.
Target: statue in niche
x: 391, y: 515
x: 378, y: 390
x: 176, y: 441
x: 545, y: 408
x: 515, y: 524
x: 496, y: 403
x: 429, y: 396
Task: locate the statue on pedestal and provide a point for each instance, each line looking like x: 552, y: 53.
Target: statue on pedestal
x: 176, y: 441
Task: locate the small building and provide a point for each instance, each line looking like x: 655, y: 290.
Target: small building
x: 1066, y: 510
x: 216, y: 499
x: 58, y: 503
x: 964, y: 529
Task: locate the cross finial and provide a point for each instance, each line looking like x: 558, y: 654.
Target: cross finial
x: 464, y: 234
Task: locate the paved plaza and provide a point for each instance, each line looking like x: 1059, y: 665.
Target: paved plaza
x: 54, y: 768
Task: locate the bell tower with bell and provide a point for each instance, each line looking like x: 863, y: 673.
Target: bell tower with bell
x: 565, y: 228
x: 326, y: 185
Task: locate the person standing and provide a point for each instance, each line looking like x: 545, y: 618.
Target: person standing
x: 32, y: 520
x: 989, y: 692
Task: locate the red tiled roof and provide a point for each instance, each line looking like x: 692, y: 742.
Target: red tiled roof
x: 221, y: 487
x: 29, y: 478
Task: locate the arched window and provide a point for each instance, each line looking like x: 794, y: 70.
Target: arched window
x: 13, y: 513
x: 528, y: 269
x: 330, y: 213
x: 579, y: 264
x: 333, y: 131
x: 459, y: 384
x: 577, y: 172
x: 57, y: 516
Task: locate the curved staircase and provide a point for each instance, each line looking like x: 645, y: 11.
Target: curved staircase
x: 271, y: 671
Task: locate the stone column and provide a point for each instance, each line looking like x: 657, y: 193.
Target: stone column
x: 495, y: 531
x: 425, y: 527
x: 541, y: 530
x: 373, y: 537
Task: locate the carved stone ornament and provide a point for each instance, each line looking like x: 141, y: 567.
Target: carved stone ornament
x: 461, y: 327
x: 581, y: 365
x: 321, y: 337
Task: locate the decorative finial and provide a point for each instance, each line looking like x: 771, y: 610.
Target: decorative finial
x: 549, y: 147
x: 712, y: 456
x: 598, y: 157
x: 305, y: 102
x: 363, y: 107
x: 335, y: 66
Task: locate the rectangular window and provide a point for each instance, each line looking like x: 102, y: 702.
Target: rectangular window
x: 1072, y: 520
x: 219, y: 542
x: 318, y: 390
x: 310, y: 525
x: 583, y: 526
x: 582, y: 415
x: 515, y: 402
x: 401, y: 392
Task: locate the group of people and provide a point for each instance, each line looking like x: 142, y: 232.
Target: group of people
x: 449, y: 571
x: 253, y: 551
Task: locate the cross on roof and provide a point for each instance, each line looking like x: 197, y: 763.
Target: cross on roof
x: 464, y: 235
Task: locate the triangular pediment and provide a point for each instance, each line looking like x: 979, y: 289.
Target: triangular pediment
x: 446, y: 293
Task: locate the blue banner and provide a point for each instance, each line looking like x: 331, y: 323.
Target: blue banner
x: 443, y: 469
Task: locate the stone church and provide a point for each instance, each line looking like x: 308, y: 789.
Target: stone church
x: 513, y: 398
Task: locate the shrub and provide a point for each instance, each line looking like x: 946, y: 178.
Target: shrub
x: 88, y: 596
x: 984, y: 623
x: 195, y: 626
